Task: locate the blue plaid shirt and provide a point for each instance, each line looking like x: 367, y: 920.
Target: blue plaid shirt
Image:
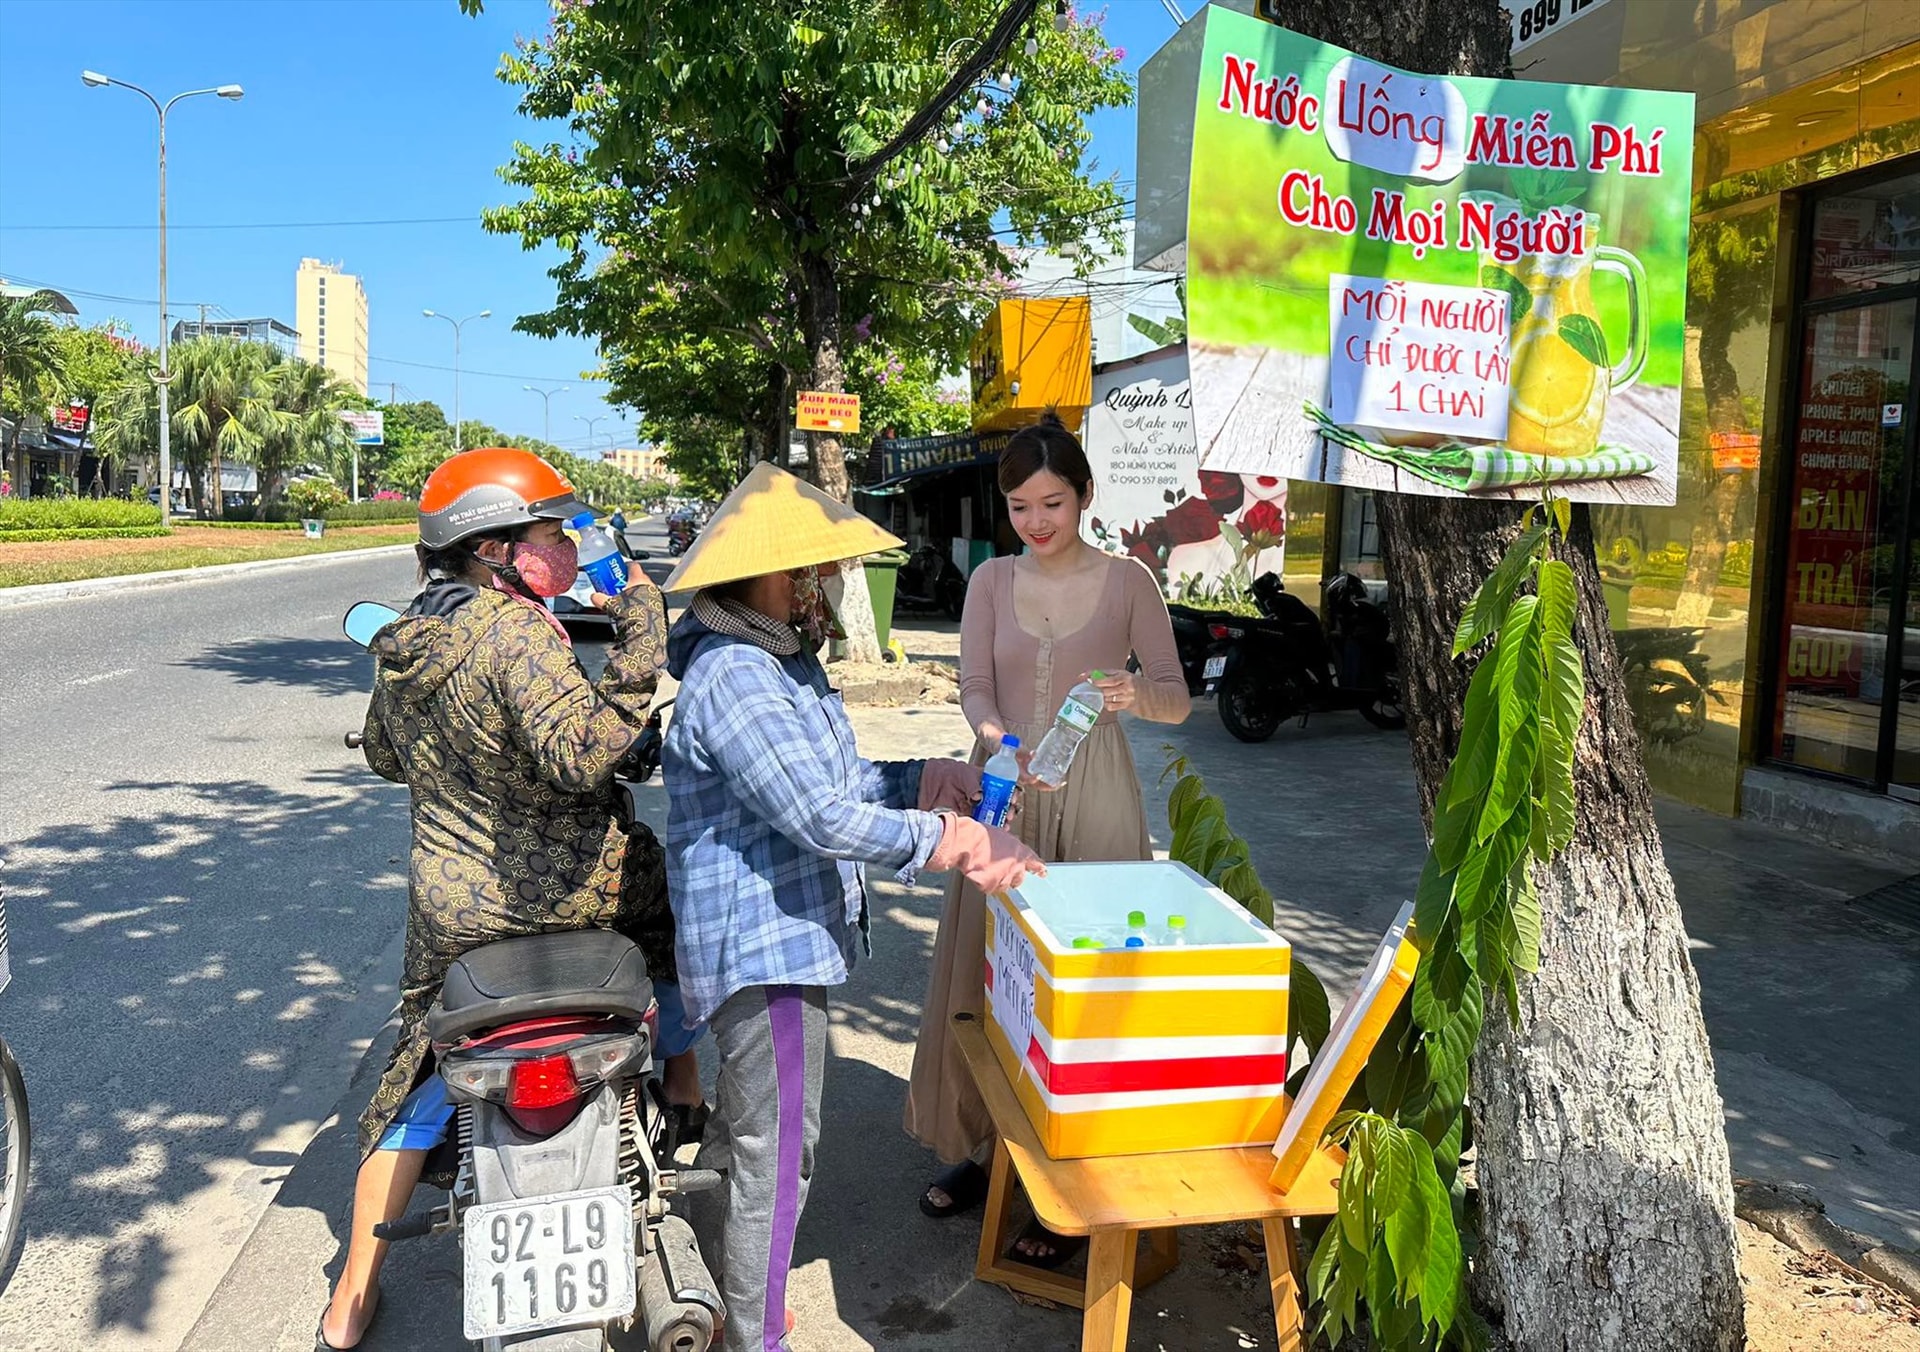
x: 771, y: 814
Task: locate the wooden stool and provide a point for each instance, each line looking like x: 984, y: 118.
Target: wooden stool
x: 1114, y: 1200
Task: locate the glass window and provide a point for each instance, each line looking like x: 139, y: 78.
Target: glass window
x: 1867, y: 240
x: 1844, y: 537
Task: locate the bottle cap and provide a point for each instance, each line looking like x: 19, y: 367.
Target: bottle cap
x: 1138, y: 919
x: 1009, y: 743
x: 1086, y: 941
x: 1135, y: 941
x: 1096, y: 675
x: 1176, y: 922
x: 581, y: 520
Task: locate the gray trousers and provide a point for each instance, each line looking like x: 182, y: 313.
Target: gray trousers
x: 773, y: 1050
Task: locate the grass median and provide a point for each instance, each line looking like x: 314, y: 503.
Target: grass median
x: 23, y: 565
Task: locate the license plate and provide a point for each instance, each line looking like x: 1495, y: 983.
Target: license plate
x: 1216, y: 668
x: 548, y: 1262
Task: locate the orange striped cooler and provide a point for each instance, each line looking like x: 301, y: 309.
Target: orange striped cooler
x: 1120, y: 1051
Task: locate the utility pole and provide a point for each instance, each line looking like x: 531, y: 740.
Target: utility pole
x: 456, y: 365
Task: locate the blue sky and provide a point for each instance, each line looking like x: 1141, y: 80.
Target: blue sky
x: 355, y: 110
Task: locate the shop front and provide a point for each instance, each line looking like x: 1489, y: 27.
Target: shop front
x: 1769, y: 619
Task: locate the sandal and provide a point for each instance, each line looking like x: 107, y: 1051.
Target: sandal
x: 965, y: 1185
x: 1064, y: 1248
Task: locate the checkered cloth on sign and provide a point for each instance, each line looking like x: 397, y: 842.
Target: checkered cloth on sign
x: 1474, y: 469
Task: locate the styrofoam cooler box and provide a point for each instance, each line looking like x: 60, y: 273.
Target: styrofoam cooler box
x: 1118, y: 1051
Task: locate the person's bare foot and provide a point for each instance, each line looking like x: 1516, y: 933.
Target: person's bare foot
x: 347, y: 1318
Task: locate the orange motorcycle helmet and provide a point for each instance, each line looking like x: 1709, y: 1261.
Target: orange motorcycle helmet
x: 489, y: 489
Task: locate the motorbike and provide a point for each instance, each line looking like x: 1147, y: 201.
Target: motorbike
x: 563, y: 1145
x: 929, y: 580
x: 682, y: 530
x: 1668, y: 681
x: 1201, y: 639
x: 1287, y: 664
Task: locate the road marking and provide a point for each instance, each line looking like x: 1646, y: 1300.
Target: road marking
x: 103, y: 676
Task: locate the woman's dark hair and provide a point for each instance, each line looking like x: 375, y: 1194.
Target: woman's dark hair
x: 453, y: 560
x: 1046, y: 445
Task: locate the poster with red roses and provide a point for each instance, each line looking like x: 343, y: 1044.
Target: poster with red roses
x: 1151, y: 498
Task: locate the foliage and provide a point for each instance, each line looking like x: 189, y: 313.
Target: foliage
x: 721, y: 201
x: 74, y: 514
x: 1167, y: 334
x: 1505, y: 806
x: 95, y: 359
x: 387, y: 512
x: 32, y: 363
x: 190, y: 547
x: 37, y: 537
x: 314, y: 497
x: 708, y: 454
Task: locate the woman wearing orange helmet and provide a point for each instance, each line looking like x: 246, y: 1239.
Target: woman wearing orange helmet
x: 481, y: 709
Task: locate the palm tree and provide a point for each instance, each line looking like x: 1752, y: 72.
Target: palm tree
x: 308, y: 430
x: 223, y: 407
x: 30, y: 361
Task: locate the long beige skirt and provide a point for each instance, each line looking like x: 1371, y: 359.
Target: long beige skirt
x: 1098, y: 815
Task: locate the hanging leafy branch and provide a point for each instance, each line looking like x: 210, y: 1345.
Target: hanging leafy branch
x: 1505, y: 806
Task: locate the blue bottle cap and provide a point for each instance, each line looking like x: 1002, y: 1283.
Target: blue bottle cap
x: 1135, y: 941
x: 1009, y: 742
x: 581, y: 520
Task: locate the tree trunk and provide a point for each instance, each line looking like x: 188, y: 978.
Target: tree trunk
x: 820, y: 320
x: 1601, y: 1155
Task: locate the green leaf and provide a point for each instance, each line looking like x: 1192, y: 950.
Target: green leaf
x: 1484, y: 874
x: 1449, y: 1049
x: 1393, y: 1068
x: 1440, y: 1284
x: 1187, y: 793
x: 1439, y: 984
x: 1432, y: 901
x: 1478, y: 753
x: 1488, y: 609
x: 1406, y: 1219
x: 1320, y: 1270
x: 1307, y: 1006
x: 1584, y: 335
x: 1206, y: 833
x: 1519, y: 298
x: 1563, y: 515
x: 1524, y: 907
x: 1555, y: 793
x: 1517, y: 679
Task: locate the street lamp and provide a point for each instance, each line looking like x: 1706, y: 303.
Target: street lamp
x: 93, y: 79
x: 580, y: 417
x: 546, y: 407
x: 456, y: 365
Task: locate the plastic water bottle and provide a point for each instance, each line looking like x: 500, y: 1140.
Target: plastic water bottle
x: 1177, y: 931
x: 600, y: 557
x: 1070, y: 728
x: 997, y: 783
x: 1137, y: 929
x: 1135, y: 941
x: 1086, y: 941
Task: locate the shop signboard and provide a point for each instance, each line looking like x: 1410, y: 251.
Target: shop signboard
x: 822, y: 411
x: 369, y: 426
x: 1430, y: 284
x: 1154, y: 502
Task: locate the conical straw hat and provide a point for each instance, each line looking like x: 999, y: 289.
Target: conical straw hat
x: 771, y: 523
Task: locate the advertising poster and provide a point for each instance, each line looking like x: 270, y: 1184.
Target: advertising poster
x: 1431, y: 284
x: 1154, y: 502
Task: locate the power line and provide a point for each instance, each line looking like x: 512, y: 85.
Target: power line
x: 264, y: 225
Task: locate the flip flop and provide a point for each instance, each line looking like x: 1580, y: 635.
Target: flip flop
x: 965, y: 1184
x: 1065, y: 1247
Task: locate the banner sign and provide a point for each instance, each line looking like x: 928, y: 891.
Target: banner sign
x: 1151, y: 498
x: 1430, y: 284
x: 369, y: 426
x: 822, y: 412
x: 902, y: 457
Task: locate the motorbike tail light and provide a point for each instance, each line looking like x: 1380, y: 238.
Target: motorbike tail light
x: 542, y: 1082
x: 1218, y: 631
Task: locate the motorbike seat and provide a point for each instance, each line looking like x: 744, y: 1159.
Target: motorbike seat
x: 587, y: 971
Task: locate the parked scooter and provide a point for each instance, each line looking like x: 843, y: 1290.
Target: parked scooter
x: 1288, y: 665
x: 929, y: 581
x: 1202, y: 638
x: 1668, y: 681
x: 565, y: 1178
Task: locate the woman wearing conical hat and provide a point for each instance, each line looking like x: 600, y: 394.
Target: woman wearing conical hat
x: 772, y: 818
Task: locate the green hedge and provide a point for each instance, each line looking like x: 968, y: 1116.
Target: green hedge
x: 38, y: 514
x: 387, y: 513
x: 237, y: 525
x: 39, y: 537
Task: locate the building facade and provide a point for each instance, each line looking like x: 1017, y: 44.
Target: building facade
x: 642, y: 462
x: 263, y: 330
x: 330, y: 311
x: 1768, y: 621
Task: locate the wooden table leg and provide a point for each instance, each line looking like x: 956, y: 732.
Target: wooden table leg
x: 1110, y: 1256
x: 1288, y: 1298
x: 993, y: 1226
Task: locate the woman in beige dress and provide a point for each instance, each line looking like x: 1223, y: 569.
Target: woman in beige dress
x: 1034, y: 626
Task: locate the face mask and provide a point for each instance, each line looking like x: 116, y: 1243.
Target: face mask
x: 812, y: 611
x: 546, y: 570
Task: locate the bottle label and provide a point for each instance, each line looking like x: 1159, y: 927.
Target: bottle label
x: 996, y: 800
x: 1077, y: 715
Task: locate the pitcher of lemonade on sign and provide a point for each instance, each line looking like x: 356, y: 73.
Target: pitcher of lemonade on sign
x: 1557, y: 400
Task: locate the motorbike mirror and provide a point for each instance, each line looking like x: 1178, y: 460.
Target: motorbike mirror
x: 366, y: 619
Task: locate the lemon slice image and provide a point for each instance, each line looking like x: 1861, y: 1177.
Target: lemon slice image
x: 1552, y: 382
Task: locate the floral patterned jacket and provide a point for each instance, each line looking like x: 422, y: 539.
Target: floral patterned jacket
x: 481, y: 709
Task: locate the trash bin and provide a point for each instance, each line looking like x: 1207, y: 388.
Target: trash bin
x: 883, y: 578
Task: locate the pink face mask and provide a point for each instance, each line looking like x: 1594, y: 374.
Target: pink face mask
x: 547, y: 570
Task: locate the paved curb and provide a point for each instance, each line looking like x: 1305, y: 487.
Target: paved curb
x: 1794, y: 1214
x: 95, y: 586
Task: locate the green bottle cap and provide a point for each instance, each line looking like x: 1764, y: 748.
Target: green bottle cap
x: 1097, y: 675
x: 1086, y: 942
x: 1137, y: 919
x: 1176, y: 922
